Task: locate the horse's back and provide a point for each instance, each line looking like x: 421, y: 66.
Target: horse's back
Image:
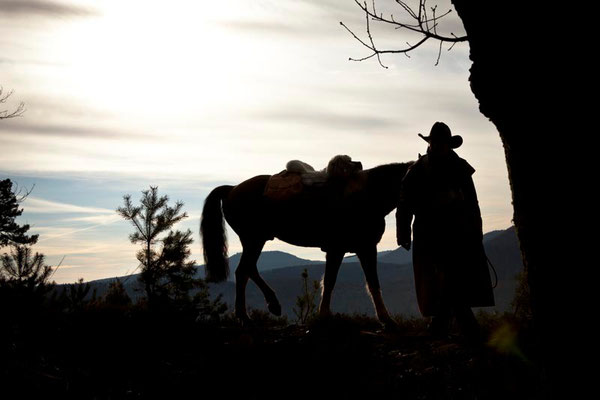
x: 246, y: 195
x: 252, y: 213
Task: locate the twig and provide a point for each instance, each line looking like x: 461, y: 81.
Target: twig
x: 439, y: 54
x: 5, y: 114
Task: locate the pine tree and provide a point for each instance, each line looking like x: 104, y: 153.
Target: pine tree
x: 151, y: 219
x: 117, y: 296
x: 74, y: 296
x: 22, y: 269
x: 167, y: 274
x: 10, y: 231
x: 24, y: 282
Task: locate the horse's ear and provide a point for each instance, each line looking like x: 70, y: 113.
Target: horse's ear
x: 420, y: 155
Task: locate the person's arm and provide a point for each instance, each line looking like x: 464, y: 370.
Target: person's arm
x: 472, y: 207
x: 405, y: 211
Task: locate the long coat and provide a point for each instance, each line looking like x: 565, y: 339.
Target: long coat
x: 449, y: 261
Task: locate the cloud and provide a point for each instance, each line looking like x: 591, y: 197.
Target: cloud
x: 331, y: 119
x: 37, y: 205
x: 102, y: 219
x: 304, y: 19
x: 70, y: 232
x: 264, y: 27
x: 24, y: 61
x: 17, y: 125
x: 25, y: 8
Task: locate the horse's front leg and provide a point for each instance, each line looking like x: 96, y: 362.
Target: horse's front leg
x: 332, y: 266
x: 368, y: 261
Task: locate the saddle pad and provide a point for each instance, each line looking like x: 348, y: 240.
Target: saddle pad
x: 283, y: 185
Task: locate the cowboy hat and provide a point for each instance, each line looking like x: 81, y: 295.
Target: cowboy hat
x: 441, y: 132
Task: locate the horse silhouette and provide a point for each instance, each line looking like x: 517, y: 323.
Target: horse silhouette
x: 344, y: 215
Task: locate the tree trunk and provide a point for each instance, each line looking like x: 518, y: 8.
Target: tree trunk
x: 509, y: 77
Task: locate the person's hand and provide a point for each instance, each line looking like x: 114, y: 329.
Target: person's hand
x: 403, y: 238
x: 406, y: 245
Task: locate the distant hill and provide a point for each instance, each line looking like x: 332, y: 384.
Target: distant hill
x: 283, y: 273
x: 398, y: 256
x: 401, y: 256
x: 350, y: 294
x: 269, y: 260
x: 397, y: 280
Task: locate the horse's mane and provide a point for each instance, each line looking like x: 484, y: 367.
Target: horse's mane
x: 387, y: 173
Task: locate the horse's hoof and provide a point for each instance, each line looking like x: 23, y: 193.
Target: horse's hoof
x: 390, y: 325
x: 244, y: 319
x: 247, y: 323
x: 275, y: 308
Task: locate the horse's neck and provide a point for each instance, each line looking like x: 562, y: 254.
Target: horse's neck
x: 383, y: 186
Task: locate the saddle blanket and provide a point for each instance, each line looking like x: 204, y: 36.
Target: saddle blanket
x: 283, y: 185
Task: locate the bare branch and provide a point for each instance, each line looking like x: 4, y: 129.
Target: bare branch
x: 408, y: 10
x: 5, y: 114
x: 426, y: 19
x: 20, y: 197
x: 439, y: 55
x: 423, y: 24
x: 57, y: 267
x: 433, y: 9
x: 362, y: 59
x: 371, y: 38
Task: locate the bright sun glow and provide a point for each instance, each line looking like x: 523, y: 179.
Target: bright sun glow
x: 146, y: 59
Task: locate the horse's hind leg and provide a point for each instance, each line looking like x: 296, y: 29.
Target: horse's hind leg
x: 250, y: 253
x: 270, y: 297
x: 368, y: 261
x: 332, y: 266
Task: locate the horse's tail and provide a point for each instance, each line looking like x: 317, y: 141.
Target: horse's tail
x: 214, y: 236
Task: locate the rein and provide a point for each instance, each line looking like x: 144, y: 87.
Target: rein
x: 493, y: 269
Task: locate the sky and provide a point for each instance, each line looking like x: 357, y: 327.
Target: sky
x: 187, y: 96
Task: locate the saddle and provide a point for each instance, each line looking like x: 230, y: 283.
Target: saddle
x: 298, y: 175
x: 293, y: 180
x: 309, y: 176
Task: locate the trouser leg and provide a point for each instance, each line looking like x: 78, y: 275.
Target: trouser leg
x: 440, y: 323
x: 467, y: 323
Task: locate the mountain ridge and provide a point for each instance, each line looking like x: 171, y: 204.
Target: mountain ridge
x: 350, y: 294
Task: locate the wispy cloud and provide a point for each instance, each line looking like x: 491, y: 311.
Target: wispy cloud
x: 37, y: 205
x: 96, y: 219
x: 48, y: 8
x: 332, y: 119
x: 70, y: 232
x: 13, y: 126
x: 264, y: 27
x: 312, y: 18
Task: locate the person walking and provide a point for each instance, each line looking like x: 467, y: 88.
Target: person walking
x: 449, y: 261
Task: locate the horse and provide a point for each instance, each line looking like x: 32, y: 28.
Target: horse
x: 343, y: 216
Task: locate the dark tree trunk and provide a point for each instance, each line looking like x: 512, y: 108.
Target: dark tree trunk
x: 512, y: 80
